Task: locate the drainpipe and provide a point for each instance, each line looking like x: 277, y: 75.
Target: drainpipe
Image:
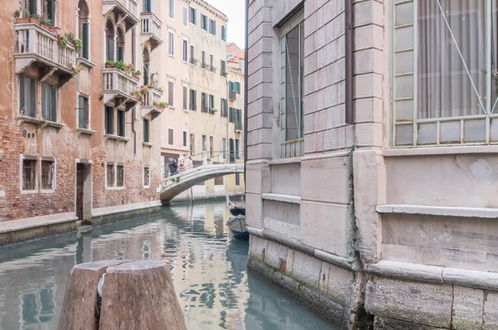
x: 134, y: 131
x: 246, y: 66
x: 349, y: 45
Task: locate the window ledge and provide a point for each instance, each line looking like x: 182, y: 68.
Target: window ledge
x: 439, y: 150
x: 148, y: 144
x: 282, y: 198
x: 116, y: 137
x: 30, y: 120
x: 444, y: 211
x: 114, y: 188
x: 83, y: 61
x: 53, y: 124
x: 85, y: 131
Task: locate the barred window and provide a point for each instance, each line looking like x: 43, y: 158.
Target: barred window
x: 48, y: 174
x: 29, y: 174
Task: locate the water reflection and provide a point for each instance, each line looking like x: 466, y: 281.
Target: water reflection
x: 208, y: 271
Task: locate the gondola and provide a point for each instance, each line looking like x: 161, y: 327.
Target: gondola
x: 237, y: 226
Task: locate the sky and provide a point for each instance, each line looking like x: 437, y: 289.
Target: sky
x: 235, y: 11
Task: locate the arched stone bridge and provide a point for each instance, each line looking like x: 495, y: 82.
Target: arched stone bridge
x: 178, y: 183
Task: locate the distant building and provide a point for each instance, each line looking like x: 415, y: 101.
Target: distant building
x: 371, y: 163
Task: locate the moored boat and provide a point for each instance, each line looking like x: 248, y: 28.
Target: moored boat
x: 237, y: 226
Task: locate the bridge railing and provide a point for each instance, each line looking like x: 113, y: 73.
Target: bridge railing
x: 192, y: 162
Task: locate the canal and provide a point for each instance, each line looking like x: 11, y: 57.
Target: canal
x: 208, y: 270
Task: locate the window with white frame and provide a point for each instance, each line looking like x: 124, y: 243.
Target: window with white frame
x: 192, y: 54
x: 291, y: 82
x: 171, y: 43
x: 83, y: 112
x: 193, y: 15
x: 49, y: 102
x: 185, y: 98
x: 171, y: 8
x: 185, y: 50
x: 171, y: 93
x: 185, y: 16
x: 212, y: 26
x: 171, y: 136
x: 204, y: 22
x: 121, y: 120
x: 119, y: 175
x: 47, y: 174
x: 110, y: 177
x: 193, y: 100
x: 445, y: 72
x: 146, y: 176
x: 27, y: 96
x: 84, y: 28
x: 29, y: 177
x: 211, y: 102
x: 109, y: 120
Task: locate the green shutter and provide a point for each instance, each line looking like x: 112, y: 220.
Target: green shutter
x: 86, y: 38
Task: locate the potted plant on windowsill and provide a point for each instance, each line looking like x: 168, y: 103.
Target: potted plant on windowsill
x: 46, y: 24
x: 24, y: 16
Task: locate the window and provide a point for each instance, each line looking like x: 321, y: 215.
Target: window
x: 171, y: 43
x: 119, y: 176
x: 146, y: 66
x: 84, y: 28
x: 30, y: 5
x: 184, y: 139
x: 193, y: 16
x: 147, y: 6
x: 224, y: 108
x: 146, y: 176
x: 203, y: 143
x: 110, y: 175
x: 237, y: 179
x: 192, y: 55
x: 203, y: 59
x: 27, y: 96
x: 185, y: 16
x: 292, y: 45
x: 109, y: 44
x: 212, y: 26
x: 120, y: 45
x: 223, y: 33
x: 204, y: 105
x: 218, y: 181
x: 234, y: 86
x: 211, y: 102
x: 146, y: 130
x: 238, y: 120
x: 231, y: 115
x: 223, y: 66
x: 211, y: 147
x: 171, y: 136
x: 83, y: 112
x: 121, y: 123
x: 224, y: 147
x: 192, y: 144
x: 185, y: 98
x: 445, y: 84
x: 171, y: 93
x: 47, y: 174
x: 29, y: 174
x: 171, y: 8
x: 49, y: 102
x: 109, y: 120
x: 185, y: 50
x: 48, y: 10
x: 193, y: 100
x: 204, y: 22
x: 211, y: 62
x: 237, y: 154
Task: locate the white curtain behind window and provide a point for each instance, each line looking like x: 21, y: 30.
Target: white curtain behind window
x: 446, y: 47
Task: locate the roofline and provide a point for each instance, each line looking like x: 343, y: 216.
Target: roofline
x: 210, y: 8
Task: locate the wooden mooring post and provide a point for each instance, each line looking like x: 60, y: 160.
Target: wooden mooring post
x: 119, y: 294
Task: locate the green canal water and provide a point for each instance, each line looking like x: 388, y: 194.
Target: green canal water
x: 208, y: 270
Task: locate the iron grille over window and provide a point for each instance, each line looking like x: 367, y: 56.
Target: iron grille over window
x: 29, y: 174
x: 47, y: 177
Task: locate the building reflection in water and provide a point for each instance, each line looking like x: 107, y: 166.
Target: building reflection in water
x: 208, y: 271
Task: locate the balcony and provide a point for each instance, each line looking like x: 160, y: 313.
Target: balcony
x: 39, y: 48
x: 119, y: 87
x: 127, y: 9
x: 151, y: 29
x: 152, y: 104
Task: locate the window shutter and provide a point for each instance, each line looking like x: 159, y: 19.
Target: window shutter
x: 86, y: 37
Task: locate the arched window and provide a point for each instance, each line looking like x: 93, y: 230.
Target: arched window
x: 84, y: 28
x: 146, y: 61
x: 120, y: 45
x: 109, y: 46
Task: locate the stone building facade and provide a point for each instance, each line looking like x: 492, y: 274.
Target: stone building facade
x: 197, y: 125
x: 76, y: 138
x: 371, y: 162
